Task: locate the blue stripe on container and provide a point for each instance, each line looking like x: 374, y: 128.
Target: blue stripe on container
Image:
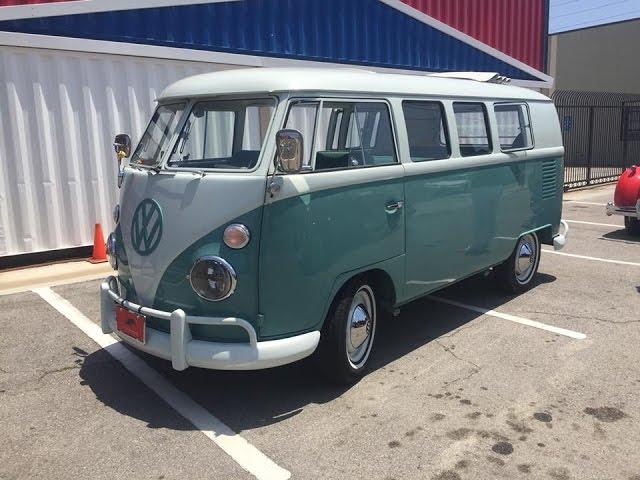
x: 359, y: 32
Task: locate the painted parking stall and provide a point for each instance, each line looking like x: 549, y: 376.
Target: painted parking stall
x: 460, y: 388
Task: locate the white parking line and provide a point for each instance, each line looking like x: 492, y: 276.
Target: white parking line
x: 597, y: 259
x: 594, y: 223
x: 513, y: 318
x: 246, y: 455
x: 586, y: 203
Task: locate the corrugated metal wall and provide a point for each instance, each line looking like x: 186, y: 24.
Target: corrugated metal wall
x: 59, y: 112
x: 8, y: 3
x: 359, y: 32
x: 515, y: 27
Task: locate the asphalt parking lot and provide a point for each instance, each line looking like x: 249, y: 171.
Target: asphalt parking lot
x: 454, y: 393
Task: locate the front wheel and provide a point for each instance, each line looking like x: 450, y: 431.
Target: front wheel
x: 516, y: 274
x: 347, y: 337
x: 632, y: 225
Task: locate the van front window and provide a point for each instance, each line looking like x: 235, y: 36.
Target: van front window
x: 156, y: 137
x: 223, y: 134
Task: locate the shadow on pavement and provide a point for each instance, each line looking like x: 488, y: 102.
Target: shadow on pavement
x: 621, y: 236
x: 246, y: 400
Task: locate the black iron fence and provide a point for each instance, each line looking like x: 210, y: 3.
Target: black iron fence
x: 601, y: 135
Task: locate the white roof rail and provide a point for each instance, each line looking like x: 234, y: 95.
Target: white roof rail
x: 487, y: 77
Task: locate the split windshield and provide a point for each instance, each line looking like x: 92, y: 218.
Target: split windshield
x: 220, y: 134
x: 223, y: 134
x: 156, y: 137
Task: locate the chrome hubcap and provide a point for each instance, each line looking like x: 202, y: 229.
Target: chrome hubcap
x: 360, y: 326
x: 526, y: 257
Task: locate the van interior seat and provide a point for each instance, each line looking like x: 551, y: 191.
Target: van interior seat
x: 244, y: 158
x: 471, y: 150
x: 328, y: 159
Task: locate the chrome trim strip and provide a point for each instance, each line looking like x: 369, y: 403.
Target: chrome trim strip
x: 611, y: 209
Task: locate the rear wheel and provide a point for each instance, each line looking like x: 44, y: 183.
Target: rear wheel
x: 516, y: 274
x: 347, y: 337
x: 632, y: 225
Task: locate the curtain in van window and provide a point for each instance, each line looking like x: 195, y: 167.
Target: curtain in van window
x: 209, y: 134
x: 223, y: 134
x: 514, y: 129
x: 256, y: 122
x: 302, y: 117
x: 473, y: 135
x: 426, y: 130
x: 353, y: 134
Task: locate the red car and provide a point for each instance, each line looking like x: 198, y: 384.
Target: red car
x: 626, y: 200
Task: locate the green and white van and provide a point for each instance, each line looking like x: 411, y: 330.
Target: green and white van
x: 270, y: 214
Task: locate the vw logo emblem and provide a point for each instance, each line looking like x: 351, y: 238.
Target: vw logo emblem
x: 146, y: 227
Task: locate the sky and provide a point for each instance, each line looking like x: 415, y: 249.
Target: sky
x: 574, y: 14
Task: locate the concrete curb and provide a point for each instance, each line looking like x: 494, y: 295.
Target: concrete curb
x: 25, y: 279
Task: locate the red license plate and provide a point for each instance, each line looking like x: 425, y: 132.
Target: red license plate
x: 130, y: 323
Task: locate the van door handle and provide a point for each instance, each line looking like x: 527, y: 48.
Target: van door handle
x: 393, y: 207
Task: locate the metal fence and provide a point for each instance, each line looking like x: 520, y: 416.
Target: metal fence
x: 601, y: 135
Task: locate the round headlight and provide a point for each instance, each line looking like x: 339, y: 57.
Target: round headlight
x: 111, y: 251
x: 116, y: 214
x: 213, y: 278
x: 236, y: 236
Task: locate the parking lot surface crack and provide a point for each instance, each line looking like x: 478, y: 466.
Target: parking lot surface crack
x: 580, y: 317
x: 58, y: 370
x: 474, y: 370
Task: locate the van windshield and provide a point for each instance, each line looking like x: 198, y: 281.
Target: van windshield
x: 156, y: 137
x: 223, y: 134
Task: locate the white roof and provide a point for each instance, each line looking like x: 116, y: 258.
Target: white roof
x: 345, y: 80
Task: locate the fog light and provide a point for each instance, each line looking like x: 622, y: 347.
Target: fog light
x: 236, y: 236
x: 212, y: 278
x: 112, y: 251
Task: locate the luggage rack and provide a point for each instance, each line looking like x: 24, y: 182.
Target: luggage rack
x: 486, y: 77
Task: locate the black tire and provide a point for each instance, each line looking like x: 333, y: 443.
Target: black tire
x: 333, y: 356
x: 511, y: 275
x: 632, y: 225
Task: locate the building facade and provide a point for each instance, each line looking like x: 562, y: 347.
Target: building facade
x: 598, y: 59
x: 74, y: 73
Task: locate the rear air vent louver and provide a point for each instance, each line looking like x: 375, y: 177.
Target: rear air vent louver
x: 549, y: 179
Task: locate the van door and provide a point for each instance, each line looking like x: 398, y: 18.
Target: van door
x: 450, y: 210
x: 344, y: 212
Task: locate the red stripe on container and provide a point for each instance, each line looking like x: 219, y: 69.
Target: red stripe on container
x: 515, y: 28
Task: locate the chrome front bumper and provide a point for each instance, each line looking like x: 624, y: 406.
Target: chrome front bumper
x: 183, y: 351
x: 611, y: 209
x: 560, y: 240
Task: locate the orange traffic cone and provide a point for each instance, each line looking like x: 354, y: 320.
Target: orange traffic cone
x: 99, y: 247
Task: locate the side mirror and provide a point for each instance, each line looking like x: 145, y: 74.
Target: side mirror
x: 122, y: 146
x: 290, y: 151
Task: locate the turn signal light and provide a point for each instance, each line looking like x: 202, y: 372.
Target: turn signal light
x: 236, y: 236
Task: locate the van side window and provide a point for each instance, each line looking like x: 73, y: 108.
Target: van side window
x: 302, y: 117
x: 514, y: 126
x: 426, y: 130
x: 354, y: 134
x: 472, y: 122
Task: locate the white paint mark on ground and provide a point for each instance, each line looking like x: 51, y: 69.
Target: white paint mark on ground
x: 594, y: 223
x: 245, y: 454
x: 596, y: 259
x: 513, y: 318
x: 586, y: 203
